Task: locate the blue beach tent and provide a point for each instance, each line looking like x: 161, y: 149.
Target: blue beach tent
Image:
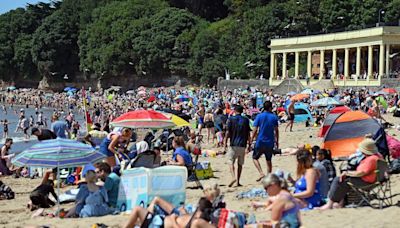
x: 302, y: 113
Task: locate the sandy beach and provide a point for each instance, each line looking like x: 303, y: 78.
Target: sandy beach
x: 15, y: 214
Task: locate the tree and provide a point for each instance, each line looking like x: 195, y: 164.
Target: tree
x: 392, y: 13
x: 211, y: 10
x: 164, y: 45
x: 106, y: 44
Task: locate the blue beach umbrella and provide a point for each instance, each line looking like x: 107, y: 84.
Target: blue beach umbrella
x: 326, y: 101
x: 58, y: 153
x: 61, y: 153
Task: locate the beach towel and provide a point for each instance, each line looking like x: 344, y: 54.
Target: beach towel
x: 69, y: 196
x: 252, y: 193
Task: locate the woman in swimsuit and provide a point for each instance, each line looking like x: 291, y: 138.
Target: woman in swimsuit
x: 209, y: 124
x: 283, y: 206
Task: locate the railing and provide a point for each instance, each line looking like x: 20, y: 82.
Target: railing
x: 291, y: 34
x: 336, y: 82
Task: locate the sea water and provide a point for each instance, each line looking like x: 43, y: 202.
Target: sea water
x: 19, y: 142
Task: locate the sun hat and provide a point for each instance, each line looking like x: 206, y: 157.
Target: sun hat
x: 368, y: 146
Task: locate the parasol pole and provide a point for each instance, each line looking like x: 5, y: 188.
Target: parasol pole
x: 84, y: 108
x: 58, y: 182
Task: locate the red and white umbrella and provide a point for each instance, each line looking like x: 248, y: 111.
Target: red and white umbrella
x: 143, y: 119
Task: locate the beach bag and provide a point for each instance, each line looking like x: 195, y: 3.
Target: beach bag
x: 203, y: 170
x: 396, y: 113
x: 395, y: 166
x: 6, y: 191
x: 231, y: 219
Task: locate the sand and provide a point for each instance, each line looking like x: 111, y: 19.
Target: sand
x: 14, y: 213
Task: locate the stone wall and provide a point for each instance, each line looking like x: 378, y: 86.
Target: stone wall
x: 235, y: 84
x: 126, y: 83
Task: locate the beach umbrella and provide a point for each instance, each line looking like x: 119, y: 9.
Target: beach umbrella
x: 299, y: 96
x: 382, y: 102
x: 380, y: 93
x: 61, y: 153
x: 307, y: 91
x: 389, y: 90
x: 11, y: 88
x: 182, y: 98
x: 326, y: 101
x: 143, y: 119
x: 58, y: 153
x: 178, y: 121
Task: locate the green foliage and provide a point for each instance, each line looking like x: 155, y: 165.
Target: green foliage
x: 156, y: 38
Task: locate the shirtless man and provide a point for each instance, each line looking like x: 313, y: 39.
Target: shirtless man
x: 291, y: 115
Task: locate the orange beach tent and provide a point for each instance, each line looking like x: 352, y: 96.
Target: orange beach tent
x: 330, y: 118
x: 347, y: 131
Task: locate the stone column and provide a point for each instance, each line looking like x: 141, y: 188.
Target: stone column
x: 284, y: 65
x: 358, y: 62
x: 387, y: 60
x: 334, y: 63
x: 309, y: 64
x: 321, y: 64
x: 346, y: 63
x: 272, y: 67
x: 296, y: 65
x: 381, y: 60
x: 370, y: 58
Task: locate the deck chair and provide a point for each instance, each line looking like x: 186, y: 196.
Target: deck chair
x: 146, y: 159
x: 380, y: 190
x: 192, y: 177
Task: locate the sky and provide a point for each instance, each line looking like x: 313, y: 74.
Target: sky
x: 7, y: 5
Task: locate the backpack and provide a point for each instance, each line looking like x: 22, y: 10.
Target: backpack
x: 395, y: 166
x: 6, y: 191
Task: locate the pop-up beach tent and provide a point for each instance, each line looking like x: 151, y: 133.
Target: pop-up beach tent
x: 348, y: 130
x: 139, y: 186
x: 302, y: 113
x: 330, y: 118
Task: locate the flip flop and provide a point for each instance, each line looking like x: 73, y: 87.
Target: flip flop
x: 232, y: 183
x: 260, y: 178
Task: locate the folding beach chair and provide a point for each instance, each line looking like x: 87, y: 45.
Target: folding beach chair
x: 192, y: 168
x: 146, y: 159
x: 380, y: 190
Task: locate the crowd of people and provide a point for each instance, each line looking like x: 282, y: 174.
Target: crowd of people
x: 237, y: 122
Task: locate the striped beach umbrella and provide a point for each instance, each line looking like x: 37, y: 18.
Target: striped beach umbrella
x: 143, y: 119
x: 182, y: 98
x: 61, y: 153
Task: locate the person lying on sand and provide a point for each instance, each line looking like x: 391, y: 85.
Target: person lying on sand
x: 139, y: 215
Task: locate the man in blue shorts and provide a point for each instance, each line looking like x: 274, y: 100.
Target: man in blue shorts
x: 266, y: 126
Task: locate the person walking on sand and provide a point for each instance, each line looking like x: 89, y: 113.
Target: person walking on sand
x: 267, y: 132
x: 291, y: 115
x: 238, y: 131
